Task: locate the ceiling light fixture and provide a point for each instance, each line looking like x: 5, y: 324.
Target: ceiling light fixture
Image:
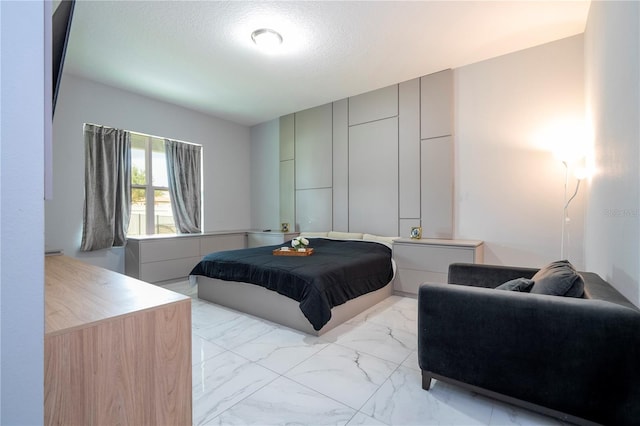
x: 266, y: 38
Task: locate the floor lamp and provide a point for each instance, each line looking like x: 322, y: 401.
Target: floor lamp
x: 565, y: 211
x: 569, y: 142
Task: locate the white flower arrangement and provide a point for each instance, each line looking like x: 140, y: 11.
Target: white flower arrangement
x: 299, y: 243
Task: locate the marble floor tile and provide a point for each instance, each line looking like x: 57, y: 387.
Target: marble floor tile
x: 205, y: 314
x: 250, y: 371
x: 412, y: 361
x: 402, y: 401
x: 361, y: 419
x: 230, y: 329
x: 202, y: 349
x: 382, y: 341
x: 285, y: 402
x: 343, y: 374
x: 223, y: 381
x: 281, y: 348
x: 507, y: 415
x: 398, y: 313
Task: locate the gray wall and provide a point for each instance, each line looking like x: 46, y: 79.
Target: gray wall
x: 226, y: 160
x: 612, y: 65
x: 22, y: 124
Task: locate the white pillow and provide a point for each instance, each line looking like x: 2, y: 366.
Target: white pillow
x: 378, y: 238
x: 313, y: 234
x: 345, y: 235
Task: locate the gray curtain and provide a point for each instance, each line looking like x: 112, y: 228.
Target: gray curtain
x: 183, y: 171
x: 107, y: 187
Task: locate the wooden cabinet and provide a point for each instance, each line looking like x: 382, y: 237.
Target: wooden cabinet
x: 117, y: 350
x: 259, y: 238
x: 156, y: 258
x: 428, y: 260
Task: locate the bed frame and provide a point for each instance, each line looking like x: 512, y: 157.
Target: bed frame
x: 272, y: 306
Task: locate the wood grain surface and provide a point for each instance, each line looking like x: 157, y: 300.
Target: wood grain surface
x: 117, y: 350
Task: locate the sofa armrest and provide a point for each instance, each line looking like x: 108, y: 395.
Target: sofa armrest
x: 557, y: 352
x: 479, y: 275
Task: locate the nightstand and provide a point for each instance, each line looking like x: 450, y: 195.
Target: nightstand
x: 428, y: 260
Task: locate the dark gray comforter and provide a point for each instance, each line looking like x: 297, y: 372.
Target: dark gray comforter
x: 337, y: 271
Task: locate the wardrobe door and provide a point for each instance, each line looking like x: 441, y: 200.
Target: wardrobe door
x: 373, y: 177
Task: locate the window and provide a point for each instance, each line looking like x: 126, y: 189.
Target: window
x: 150, y: 202
x: 133, y: 185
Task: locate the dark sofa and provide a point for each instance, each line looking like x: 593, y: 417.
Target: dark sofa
x: 577, y: 359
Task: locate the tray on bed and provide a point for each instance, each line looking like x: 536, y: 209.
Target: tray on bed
x: 279, y: 252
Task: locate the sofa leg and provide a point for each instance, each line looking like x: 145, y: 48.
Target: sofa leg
x: 426, y: 380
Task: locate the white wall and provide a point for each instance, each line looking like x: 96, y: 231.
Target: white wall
x: 509, y: 187
x: 22, y: 115
x: 612, y: 64
x: 265, y: 178
x: 226, y: 160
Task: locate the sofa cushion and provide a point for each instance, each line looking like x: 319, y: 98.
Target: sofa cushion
x: 519, y: 284
x: 598, y: 289
x: 558, y: 278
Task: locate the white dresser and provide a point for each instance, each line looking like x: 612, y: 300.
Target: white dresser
x: 428, y: 260
x: 155, y: 258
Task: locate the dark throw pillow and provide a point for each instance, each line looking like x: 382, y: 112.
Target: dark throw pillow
x: 522, y: 285
x: 558, y: 278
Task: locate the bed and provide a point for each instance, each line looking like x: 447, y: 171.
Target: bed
x: 346, y: 274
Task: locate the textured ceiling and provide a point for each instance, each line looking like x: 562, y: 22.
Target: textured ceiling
x: 199, y: 54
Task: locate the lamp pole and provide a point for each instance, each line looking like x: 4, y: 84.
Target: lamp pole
x: 565, y: 210
x: 565, y: 204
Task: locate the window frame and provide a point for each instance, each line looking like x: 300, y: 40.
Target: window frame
x: 149, y: 188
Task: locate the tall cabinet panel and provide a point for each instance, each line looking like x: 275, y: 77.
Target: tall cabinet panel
x: 313, y: 134
x: 409, y: 151
x: 436, y: 154
x: 313, y: 168
x: 340, y: 166
x: 373, y: 177
x: 375, y: 105
x: 379, y: 162
x: 287, y: 137
x: 287, y: 193
x: 287, y: 170
x: 313, y: 210
x: 437, y: 187
x: 436, y: 105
